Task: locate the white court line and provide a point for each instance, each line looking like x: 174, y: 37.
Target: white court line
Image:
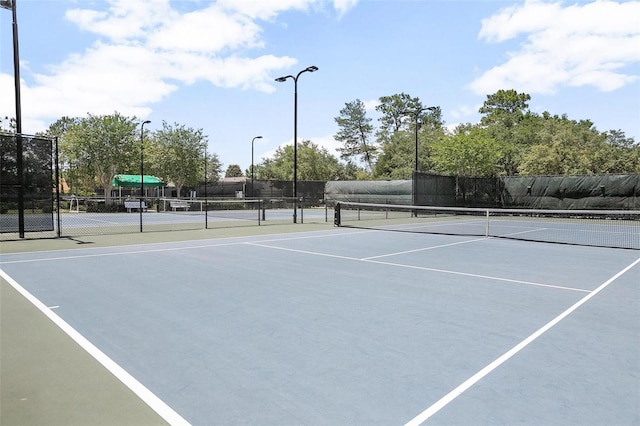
x: 129, y: 252
x: 423, y: 249
x: 175, y: 245
x: 524, y: 232
x: 445, y: 400
x: 444, y: 271
x: 121, y: 374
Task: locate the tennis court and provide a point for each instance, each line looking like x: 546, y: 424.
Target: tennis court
x: 333, y: 326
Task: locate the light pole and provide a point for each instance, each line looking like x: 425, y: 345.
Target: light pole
x: 11, y: 5
x: 142, y: 167
x: 206, y: 202
x: 312, y: 68
x: 257, y: 137
x: 417, y: 113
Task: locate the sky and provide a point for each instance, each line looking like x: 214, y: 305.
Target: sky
x: 212, y: 65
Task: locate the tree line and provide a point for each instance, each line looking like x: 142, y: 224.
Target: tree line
x: 508, y: 140
x: 95, y: 148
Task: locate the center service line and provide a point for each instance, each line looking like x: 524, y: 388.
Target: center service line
x: 445, y: 400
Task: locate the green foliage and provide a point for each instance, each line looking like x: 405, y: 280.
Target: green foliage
x: 509, y: 140
x: 397, y: 158
x: 471, y: 151
x: 95, y: 148
x: 505, y: 108
x: 214, y: 168
x: 355, y: 132
x: 176, y: 154
x: 233, y: 170
x: 314, y: 163
x: 569, y: 147
x: 394, y: 110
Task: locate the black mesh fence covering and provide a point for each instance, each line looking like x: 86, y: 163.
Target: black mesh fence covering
x: 541, y: 192
x: 310, y: 191
x: 36, y: 188
x: 436, y: 190
x: 384, y: 191
x: 573, y: 192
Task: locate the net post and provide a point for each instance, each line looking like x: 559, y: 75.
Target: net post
x: 206, y: 208
x: 336, y: 215
x: 259, y: 211
x: 486, y: 228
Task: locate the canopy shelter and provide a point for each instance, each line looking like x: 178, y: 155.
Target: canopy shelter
x: 134, y: 181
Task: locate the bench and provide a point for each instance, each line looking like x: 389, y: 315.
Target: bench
x: 179, y: 204
x: 134, y: 205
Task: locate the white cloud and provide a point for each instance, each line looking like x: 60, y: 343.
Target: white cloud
x: 264, y: 10
x: 371, y: 105
x: 576, y: 45
x: 145, y: 50
x: 209, y: 30
x: 464, y: 112
x: 343, y: 6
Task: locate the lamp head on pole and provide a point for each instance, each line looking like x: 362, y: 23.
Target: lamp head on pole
x: 312, y: 68
x: 6, y: 4
x: 282, y: 79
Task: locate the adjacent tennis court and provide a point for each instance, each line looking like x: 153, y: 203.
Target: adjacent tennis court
x: 341, y: 326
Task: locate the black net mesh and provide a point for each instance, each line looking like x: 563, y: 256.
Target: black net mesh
x: 35, y: 187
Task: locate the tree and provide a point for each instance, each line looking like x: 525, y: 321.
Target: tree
x: 96, y: 148
x: 470, y: 151
x: 233, y: 170
x: 396, y: 159
x: 404, y: 118
x: 314, y: 163
x: 214, y: 168
x: 8, y: 125
x: 355, y: 132
x: 505, y: 107
x: 176, y: 154
x: 394, y: 109
x: 576, y: 147
x: 506, y: 118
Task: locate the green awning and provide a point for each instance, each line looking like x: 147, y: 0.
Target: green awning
x: 134, y: 181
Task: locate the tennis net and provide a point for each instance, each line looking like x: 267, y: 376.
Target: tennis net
x: 601, y: 228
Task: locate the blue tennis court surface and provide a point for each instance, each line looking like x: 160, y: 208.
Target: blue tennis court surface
x: 347, y: 326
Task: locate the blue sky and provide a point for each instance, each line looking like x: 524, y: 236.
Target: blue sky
x: 212, y: 64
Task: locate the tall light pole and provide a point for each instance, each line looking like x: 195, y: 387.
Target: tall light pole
x: 206, y: 202
x: 11, y: 5
x: 142, y: 167
x: 417, y: 116
x: 312, y: 68
x: 257, y: 137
